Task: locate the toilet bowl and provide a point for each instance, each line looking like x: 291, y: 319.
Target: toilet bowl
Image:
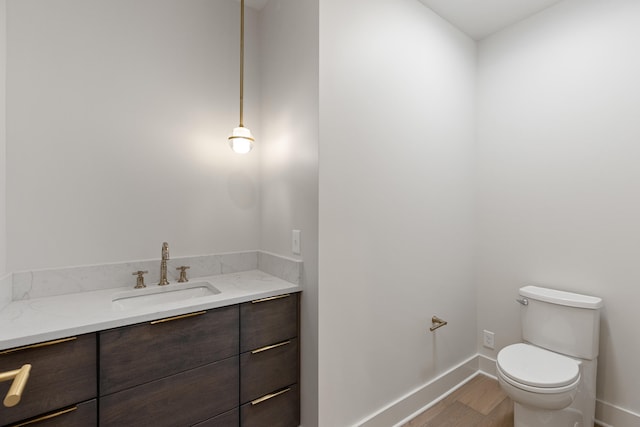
x: 551, y: 375
x: 538, y: 378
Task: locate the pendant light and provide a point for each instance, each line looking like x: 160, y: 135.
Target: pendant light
x: 241, y: 139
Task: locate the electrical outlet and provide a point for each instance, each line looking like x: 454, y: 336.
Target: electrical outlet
x: 488, y: 339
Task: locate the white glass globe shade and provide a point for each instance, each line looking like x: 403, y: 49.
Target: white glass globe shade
x: 241, y: 140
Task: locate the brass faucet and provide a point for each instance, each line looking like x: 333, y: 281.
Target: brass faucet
x: 183, y: 273
x: 163, y: 264
x: 140, y: 280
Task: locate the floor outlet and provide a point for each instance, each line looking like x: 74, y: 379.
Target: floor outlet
x: 488, y: 339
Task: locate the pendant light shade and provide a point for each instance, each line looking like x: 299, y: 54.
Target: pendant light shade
x: 241, y: 139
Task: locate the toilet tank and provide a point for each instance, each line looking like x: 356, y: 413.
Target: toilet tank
x: 563, y: 322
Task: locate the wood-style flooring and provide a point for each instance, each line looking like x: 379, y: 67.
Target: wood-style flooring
x: 479, y: 403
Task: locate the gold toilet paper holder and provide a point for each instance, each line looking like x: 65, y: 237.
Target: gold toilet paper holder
x: 436, y: 323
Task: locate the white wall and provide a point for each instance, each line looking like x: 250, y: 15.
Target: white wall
x: 559, y: 98
x: 118, y: 114
x: 289, y: 160
x: 3, y: 140
x: 397, y: 87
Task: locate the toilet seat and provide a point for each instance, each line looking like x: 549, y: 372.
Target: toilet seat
x: 537, y: 370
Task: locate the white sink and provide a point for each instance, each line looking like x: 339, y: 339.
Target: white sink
x: 162, y: 294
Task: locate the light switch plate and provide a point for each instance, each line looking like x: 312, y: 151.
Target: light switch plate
x: 295, y: 242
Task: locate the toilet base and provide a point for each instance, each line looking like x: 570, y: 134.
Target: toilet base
x: 579, y: 414
x: 529, y: 417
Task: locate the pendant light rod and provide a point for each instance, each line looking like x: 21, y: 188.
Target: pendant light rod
x: 241, y: 62
x: 241, y: 139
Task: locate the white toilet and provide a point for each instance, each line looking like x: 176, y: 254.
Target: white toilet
x: 551, y: 377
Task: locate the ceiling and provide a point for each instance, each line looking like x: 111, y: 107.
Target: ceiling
x: 476, y: 18
x: 479, y: 18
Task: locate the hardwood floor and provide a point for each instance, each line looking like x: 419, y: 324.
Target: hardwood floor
x: 479, y: 403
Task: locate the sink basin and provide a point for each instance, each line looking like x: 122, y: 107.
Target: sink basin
x: 162, y: 295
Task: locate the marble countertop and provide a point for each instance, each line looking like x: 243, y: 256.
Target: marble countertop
x: 42, y: 319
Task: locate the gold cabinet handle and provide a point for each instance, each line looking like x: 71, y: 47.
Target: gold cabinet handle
x: 270, y: 396
x: 270, y: 347
x: 183, y: 316
x: 270, y: 298
x: 46, y: 417
x: 42, y: 344
x: 19, y: 377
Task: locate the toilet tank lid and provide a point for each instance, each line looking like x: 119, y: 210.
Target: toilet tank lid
x: 561, y: 297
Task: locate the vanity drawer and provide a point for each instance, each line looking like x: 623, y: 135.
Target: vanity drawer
x: 279, y: 409
x: 267, y: 369
x: 268, y: 321
x: 81, y: 415
x: 137, y: 354
x: 63, y: 372
x: 228, y: 419
x: 179, y: 400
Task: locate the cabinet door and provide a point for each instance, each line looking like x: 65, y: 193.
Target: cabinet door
x: 137, y: 354
x: 63, y: 372
x: 280, y: 409
x: 81, y: 415
x: 268, y: 321
x: 183, y: 399
x: 228, y: 419
x: 267, y: 369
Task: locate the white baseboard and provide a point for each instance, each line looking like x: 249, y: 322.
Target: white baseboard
x: 422, y: 398
x: 487, y: 365
x: 615, y: 416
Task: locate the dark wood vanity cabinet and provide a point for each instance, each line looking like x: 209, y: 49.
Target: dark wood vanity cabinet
x: 226, y: 367
x: 176, y: 371
x: 182, y: 399
x: 228, y: 419
x: 282, y: 409
x: 63, y: 376
x: 137, y: 354
x: 269, y: 362
x: 268, y: 321
x: 83, y: 414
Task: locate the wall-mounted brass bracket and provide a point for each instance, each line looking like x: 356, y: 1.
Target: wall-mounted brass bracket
x: 19, y: 377
x: 436, y: 323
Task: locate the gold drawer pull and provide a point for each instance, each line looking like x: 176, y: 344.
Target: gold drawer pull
x: 270, y: 347
x: 42, y: 344
x: 270, y: 396
x: 270, y: 298
x: 183, y: 316
x: 47, y: 417
x: 19, y: 377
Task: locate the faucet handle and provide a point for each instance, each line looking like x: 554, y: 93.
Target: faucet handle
x: 183, y: 273
x: 139, y: 279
